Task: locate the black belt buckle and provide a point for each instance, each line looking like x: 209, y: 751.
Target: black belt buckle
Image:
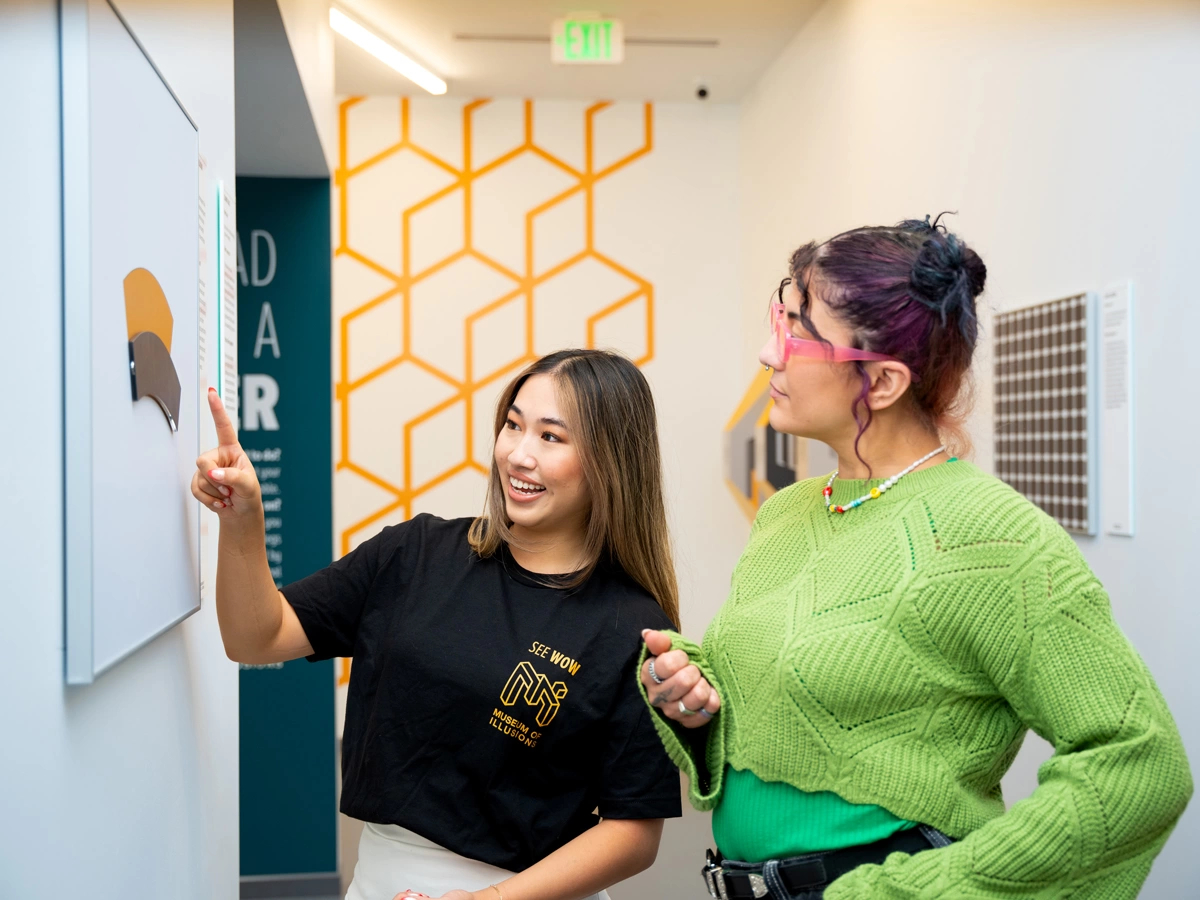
x: 714, y: 877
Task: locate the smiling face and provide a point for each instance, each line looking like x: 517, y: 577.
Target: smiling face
x: 813, y: 397
x: 538, y: 460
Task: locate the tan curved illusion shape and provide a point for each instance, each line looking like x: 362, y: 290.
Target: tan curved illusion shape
x: 149, y: 322
x: 146, y: 307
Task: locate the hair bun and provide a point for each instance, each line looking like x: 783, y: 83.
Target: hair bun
x: 947, y: 276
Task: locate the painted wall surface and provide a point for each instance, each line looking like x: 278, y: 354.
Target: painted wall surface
x: 1065, y: 136
x: 128, y: 787
x: 311, y: 40
x: 470, y: 238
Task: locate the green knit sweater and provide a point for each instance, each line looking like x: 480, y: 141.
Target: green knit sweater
x: 897, y: 654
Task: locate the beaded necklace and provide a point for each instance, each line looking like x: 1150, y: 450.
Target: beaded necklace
x: 875, y: 492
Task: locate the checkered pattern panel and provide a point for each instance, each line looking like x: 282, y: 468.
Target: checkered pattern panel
x: 1044, y: 410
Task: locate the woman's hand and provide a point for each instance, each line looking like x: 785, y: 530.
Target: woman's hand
x: 417, y: 895
x: 225, y: 481
x: 680, y: 681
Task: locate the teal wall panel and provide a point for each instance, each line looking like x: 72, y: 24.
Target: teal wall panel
x: 288, y: 767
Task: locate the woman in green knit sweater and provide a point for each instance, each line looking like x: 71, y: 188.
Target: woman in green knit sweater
x: 893, y: 631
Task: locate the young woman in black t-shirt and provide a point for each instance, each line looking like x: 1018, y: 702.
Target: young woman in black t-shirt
x: 492, y: 708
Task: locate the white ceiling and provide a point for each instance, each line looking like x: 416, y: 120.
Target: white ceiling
x: 750, y: 34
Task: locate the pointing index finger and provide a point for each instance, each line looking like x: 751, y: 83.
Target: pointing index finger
x: 226, y: 433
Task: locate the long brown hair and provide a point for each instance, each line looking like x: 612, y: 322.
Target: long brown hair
x: 610, y: 410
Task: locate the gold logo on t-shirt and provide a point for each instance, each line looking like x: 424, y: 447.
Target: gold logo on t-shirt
x: 537, y: 690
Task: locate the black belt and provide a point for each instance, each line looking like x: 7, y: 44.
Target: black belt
x: 731, y: 880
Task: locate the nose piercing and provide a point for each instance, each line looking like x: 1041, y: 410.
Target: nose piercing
x: 766, y: 368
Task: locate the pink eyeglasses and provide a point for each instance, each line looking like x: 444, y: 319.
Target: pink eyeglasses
x: 790, y: 345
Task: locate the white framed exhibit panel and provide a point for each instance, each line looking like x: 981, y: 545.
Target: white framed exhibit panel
x: 131, y: 378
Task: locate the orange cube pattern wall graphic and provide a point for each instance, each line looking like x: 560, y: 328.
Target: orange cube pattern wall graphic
x: 466, y: 247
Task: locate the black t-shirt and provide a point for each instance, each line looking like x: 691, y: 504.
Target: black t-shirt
x: 487, y: 711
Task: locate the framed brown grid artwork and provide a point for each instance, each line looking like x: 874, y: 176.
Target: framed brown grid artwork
x: 1046, y: 407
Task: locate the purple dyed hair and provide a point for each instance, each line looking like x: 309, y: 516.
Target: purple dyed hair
x: 908, y: 291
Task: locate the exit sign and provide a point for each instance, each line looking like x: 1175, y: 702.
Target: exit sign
x: 587, y: 39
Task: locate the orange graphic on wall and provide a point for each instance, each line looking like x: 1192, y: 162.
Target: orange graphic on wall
x: 520, y: 291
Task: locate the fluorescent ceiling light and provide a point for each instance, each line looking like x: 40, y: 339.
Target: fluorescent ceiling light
x: 385, y: 52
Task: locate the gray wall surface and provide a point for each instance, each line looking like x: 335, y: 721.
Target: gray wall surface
x: 126, y: 788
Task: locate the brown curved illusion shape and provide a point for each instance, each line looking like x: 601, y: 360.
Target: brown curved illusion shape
x: 149, y: 320
x: 153, y: 374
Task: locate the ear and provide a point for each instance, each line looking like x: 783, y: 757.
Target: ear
x: 890, y: 381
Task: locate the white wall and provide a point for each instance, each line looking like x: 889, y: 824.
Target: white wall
x: 126, y: 788
x: 1066, y: 135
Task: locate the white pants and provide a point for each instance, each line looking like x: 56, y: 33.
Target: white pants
x: 392, y: 859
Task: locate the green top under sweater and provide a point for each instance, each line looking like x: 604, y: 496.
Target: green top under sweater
x: 757, y: 820
x: 896, y: 655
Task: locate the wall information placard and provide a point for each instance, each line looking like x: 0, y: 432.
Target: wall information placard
x: 227, y: 306
x: 1116, y: 409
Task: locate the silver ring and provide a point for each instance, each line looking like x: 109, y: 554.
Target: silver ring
x: 705, y: 713
x: 654, y: 675
x: 684, y: 711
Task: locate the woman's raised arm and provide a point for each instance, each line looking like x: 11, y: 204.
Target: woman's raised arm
x: 257, y: 623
